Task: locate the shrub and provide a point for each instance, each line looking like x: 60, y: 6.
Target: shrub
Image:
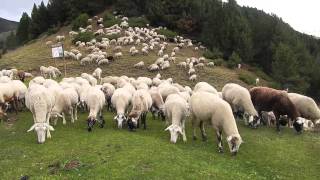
x: 218, y: 62
x: 168, y: 33
x: 111, y: 22
x: 83, y: 37
x: 80, y: 21
x: 138, y: 22
x: 52, y: 30
x: 234, y: 59
x: 213, y: 54
x: 247, y: 78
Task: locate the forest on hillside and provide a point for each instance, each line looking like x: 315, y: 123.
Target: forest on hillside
x: 259, y: 39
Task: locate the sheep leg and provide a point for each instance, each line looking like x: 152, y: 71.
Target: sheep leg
x: 75, y: 111
x: 71, y: 113
x: 277, y: 122
x: 194, y: 123
x: 15, y: 105
x: 63, y: 119
x: 219, y: 137
x: 184, y: 137
x: 48, y: 121
x: 203, y: 132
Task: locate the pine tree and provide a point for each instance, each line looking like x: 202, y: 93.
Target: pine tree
x: 34, y: 28
x: 11, y: 41
x: 23, y: 29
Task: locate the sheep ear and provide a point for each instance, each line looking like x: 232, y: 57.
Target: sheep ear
x: 168, y: 128
x: 32, y: 128
x: 115, y: 118
x: 49, y: 127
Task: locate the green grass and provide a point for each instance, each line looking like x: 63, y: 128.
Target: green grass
x: 110, y: 153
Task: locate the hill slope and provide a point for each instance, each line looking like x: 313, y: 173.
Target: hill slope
x: 7, y: 25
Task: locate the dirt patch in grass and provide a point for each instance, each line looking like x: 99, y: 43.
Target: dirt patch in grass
x: 71, y: 165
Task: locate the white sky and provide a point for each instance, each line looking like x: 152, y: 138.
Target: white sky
x: 302, y: 15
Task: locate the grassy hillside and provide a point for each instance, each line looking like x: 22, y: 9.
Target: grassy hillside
x: 110, y: 153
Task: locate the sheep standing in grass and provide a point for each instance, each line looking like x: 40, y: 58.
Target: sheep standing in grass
x: 210, y: 64
x: 40, y: 102
x: 108, y: 90
x: 139, y: 64
x: 176, y: 112
x: 95, y: 101
x: 97, y: 73
x: 141, y: 103
x: 306, y: 106
x: 157, y: 103
x: 207, y: 107
x: 268, y: 99
x: 240, y: 100
x: 120, y: 101
x: 118, y: 55
x: 193, y: 78
x: 153, y: 67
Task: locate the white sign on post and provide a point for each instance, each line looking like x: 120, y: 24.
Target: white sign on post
x: 57, y: 52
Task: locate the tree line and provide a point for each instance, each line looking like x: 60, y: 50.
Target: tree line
x: 227, y: 30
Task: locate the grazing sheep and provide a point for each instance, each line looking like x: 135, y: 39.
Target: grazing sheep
x: 203, y: 86
x: 103, y: 61
x: 207, y: 107
x: 95, y: 101
x: 200, y: 65
x: 120, y: 101
x: 97, y: 73
x: 176, y: 109
x: 193, y: 78
x: 108, y: 90
x: 40, y: 102
x: 268, y: 99
x: 139, y: 64
x: 153, y: 67
x: 141, y: 103
x: 118, y: 55
x: 182, y: 65
x: 240, y: 100
x: 157, y: 103
x: 306, y: 106
x: 210, y: 64
x: 191, y: 71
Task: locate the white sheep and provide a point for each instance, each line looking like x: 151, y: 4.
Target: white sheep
x: 240, y: 100
x: 210, y: 64
x: 139, y: 64
x: 176, y: 110
x: 95, y: 101
x: 191, y: 71
x: 40, y: 102
x: 204, y: 86
x: 120, y: 101
x: 97, y: 73
x: 103, y: 61
x: 157, y: 103
x: 182, y: 65
x: 118, y: 55
x: 153, y: 67
x: 207, y: 107
x: 141, y: 103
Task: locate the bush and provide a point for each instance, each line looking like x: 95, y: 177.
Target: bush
x: 80, y: 21
x: 52, y: 30
x: 218, y: 62
x: 138, y: 22
x: 83, y: 37
x: 247, y: 78
x: 168, y: 33
x: 234, y: 60
x: 111, y: 22
x: 213, y: 54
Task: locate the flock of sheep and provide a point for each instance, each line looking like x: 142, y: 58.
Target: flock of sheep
x: 142, y: 41
x: 130, y: 99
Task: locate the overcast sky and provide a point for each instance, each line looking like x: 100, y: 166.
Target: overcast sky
x: 302, y: 15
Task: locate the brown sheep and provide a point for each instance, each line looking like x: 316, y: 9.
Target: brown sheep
x: 268, y: 99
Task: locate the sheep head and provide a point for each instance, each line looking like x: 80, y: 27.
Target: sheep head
x: 41, y: 129
x: 120, y: 119
x: 91, y: 121
x: 174, y: 132
x: 298, y: 124
x: 234, y: 142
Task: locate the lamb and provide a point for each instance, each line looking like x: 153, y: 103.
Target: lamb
x: 139, y: 64
x: 141, y: 103
x: 207, y: 107
x: 306, y: 106
x: 97, y: 73
x: 40, y: 102
x: 193, y: 77
x: 176, y: 109
x: 268, y: 99
x: 240, y: 100
x: 95, y: 101
x: 120, y: 100
x: 118, y: 55
x: 182, y: 65
x: 204, y: 86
